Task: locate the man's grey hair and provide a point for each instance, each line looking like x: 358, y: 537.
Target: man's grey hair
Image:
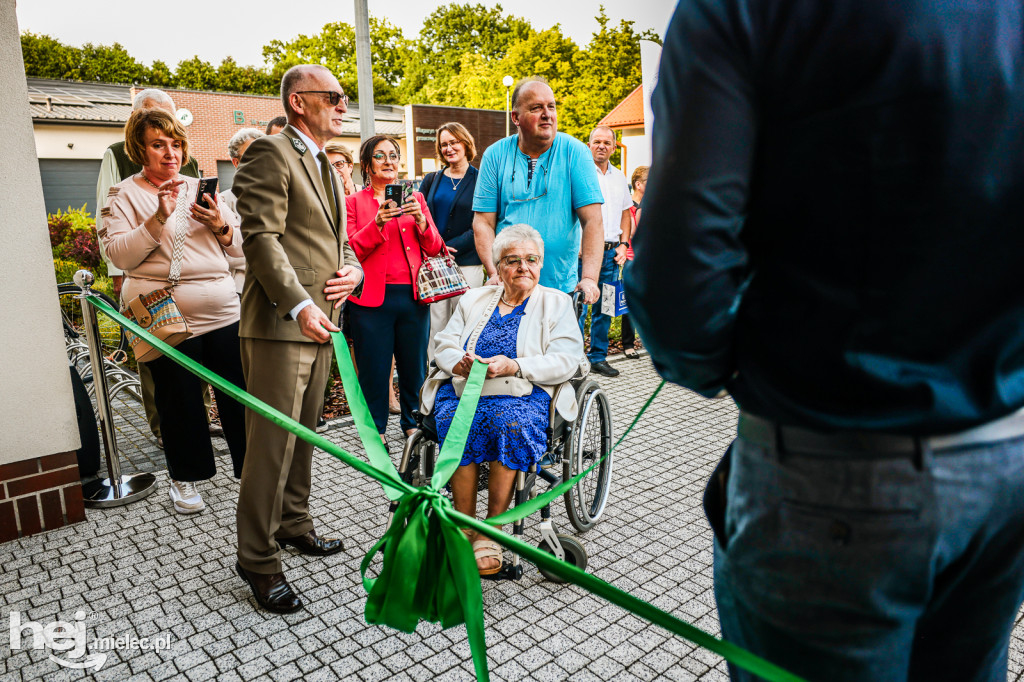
x: 516, y: 91
x: 151, y: 94
x: 512, y: 235
x: 240, y: 138
x: 605, y: 129
x: 292, y: 82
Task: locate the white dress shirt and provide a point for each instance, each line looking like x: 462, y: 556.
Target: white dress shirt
x: 617, y: 199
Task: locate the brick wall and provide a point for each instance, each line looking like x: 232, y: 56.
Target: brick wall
x: 214, y: 121
x: 39, y: 494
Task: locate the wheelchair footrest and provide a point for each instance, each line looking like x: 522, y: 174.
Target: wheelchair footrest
x: 507, y: 572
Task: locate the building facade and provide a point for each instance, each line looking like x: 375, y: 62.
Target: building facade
x: 627, y: 118
x: 423, y: 120
x: 74, y: 123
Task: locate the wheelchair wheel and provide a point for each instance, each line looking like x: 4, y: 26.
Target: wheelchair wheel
x: 590, y: 439
x: 574, y: 554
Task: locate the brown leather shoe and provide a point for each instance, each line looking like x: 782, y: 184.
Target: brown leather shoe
x: 311, y: 543
x: 271, y: 590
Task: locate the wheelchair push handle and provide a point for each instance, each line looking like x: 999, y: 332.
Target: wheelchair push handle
x: 577, y: 303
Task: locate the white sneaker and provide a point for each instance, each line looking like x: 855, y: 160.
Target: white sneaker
x: 186, y: 497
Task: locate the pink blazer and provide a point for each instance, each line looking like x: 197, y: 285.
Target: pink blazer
x: 366, y: 240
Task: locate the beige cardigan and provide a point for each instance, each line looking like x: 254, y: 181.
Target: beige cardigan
x: 206, y: 293
x: 549, y: 345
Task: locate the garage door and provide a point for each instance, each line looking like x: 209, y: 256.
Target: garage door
x: 69, y: 182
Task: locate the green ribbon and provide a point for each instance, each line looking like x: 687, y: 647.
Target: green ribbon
x: 523, y: 510
x: 375, y: 450
x: 429, y: 571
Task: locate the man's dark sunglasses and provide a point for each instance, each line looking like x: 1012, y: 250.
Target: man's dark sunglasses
x: 334, y: 97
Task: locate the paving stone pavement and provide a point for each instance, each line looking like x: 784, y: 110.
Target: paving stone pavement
x: 144, y: 570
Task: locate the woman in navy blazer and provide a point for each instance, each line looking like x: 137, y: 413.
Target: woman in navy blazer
x: 385, y: 320
x: 449, y: 196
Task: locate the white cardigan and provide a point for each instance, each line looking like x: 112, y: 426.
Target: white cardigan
x: 549, y: 345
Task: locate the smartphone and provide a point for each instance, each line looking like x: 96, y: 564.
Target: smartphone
x: 206, y: 186
x: 398, y: 193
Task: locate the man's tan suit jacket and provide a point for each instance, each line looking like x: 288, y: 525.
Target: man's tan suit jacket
x: 291, y: 246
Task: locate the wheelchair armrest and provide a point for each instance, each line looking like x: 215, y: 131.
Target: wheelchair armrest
x: 555, y: 420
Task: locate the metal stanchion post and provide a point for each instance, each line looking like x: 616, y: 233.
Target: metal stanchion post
x: 115, y: 490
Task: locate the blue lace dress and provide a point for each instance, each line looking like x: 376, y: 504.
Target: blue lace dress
x: 506, y: 429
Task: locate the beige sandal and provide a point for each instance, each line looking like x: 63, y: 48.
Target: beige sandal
x: 487, y: 549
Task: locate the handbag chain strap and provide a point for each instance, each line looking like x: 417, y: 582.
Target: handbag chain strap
x: 180, y: 233
x: 443, y: 253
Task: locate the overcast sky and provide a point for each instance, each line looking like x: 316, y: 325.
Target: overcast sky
x: 214, y: 29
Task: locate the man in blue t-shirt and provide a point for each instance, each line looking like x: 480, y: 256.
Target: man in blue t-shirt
x: 547, y: 180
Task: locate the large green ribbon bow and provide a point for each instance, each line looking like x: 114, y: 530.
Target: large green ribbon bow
x: 429, y: 571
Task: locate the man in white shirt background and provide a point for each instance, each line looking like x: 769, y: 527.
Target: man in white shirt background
x: 615, y: 216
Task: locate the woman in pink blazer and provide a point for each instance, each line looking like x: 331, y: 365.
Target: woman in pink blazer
x: 385, y: 319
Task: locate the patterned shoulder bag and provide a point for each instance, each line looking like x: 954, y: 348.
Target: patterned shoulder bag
x: 156, y: 312
x: 438, y: 278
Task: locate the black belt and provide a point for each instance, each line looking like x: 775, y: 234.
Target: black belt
x: 608, y: 246
x: 871, y: 443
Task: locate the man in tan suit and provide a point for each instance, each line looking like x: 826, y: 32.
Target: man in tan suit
x: 300, y: 270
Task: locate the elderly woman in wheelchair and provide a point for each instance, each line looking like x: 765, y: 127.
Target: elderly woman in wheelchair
x: 530, y: 339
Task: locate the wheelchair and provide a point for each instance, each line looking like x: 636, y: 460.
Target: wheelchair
x: 571, y: 447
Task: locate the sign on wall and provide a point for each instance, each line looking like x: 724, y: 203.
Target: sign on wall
x: 486, y: 127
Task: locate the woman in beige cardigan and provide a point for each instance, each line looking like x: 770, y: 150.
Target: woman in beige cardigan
x: 144, y: 214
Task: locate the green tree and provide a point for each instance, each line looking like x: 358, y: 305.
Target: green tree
x: 335, y: 48
x: 195, y: 74
x: 110, y: 64
x: 160, y: 75
x: 248, y: 79
x: 47, y: 57
x: 454, y: 34
x: 478, y: 83
x: 606, y: 71
x: 549, y: 54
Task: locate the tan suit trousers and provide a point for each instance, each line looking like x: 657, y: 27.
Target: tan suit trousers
x: 273, y: 499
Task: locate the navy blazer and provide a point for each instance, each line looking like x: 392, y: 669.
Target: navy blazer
x: 458, y: 233
x: 832, y: 223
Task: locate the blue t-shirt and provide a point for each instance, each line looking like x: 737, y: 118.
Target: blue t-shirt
x: 564, y: 180
x: 444, y: 195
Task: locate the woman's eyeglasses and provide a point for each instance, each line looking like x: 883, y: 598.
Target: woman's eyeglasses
x: 340, y: 165
x: 380, y: 156
x: 446, y: 145
x: 333, y: 97
x: 514, y: 261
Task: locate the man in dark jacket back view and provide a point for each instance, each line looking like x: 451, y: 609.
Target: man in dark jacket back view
x: 834, y: 217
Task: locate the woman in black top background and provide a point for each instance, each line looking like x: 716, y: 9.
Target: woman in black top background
x: 449, y: 196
